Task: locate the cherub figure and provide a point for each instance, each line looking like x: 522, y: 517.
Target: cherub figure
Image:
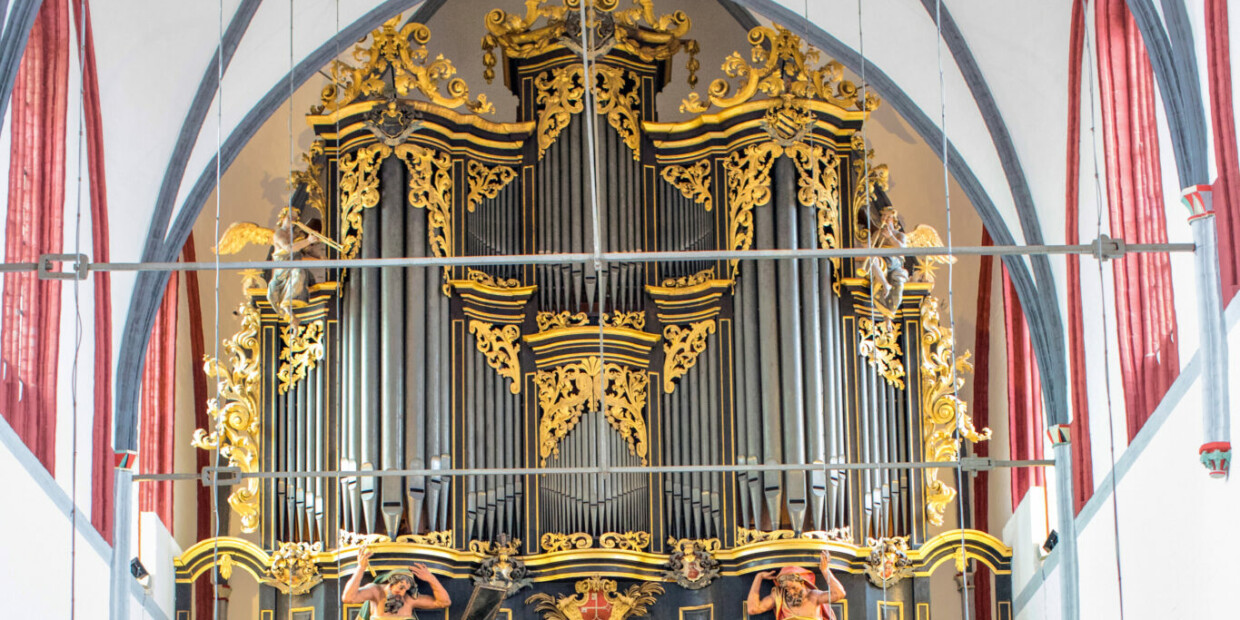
x: 290, y: 240
x: 887, y: 273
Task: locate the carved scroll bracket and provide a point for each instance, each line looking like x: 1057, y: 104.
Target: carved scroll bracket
x: 501, y: 347
x: 486, y: 183
x: 683, y: 346
x: 693, y: 182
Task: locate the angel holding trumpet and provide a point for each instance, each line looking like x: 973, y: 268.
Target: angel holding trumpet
x: 887, y: 273
x: 290, y: 240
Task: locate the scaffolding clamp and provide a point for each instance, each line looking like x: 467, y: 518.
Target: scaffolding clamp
x: 79, y: 262
x: 1106, y: 248
x: 220, y: 476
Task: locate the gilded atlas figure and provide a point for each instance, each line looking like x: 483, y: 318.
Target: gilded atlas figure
x: 794, y: 596
x: 394, y: 594
x: 290, y: 240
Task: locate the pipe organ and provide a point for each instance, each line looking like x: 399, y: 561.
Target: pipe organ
x: 585, y: 366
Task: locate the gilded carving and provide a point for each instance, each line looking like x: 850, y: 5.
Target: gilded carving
x: 548, y: 321
x: 695, y: 279
x: 486, y: 279
x: 888, y: 561
x: 631, y: 541
x: 554, y: 541
x: 430, y: 539
x: 500, y: 567
x: 746, y: 536
x: 748, y: 180
x: 880, y: 344
x: 598, y: 594
x: 485, y: 183
x: 636, y: 30
x: 316, y: 197
x: 292, y: 569
x: 944, y: 417
x: 501, y: 347
x: 566, y: 391
x: 353, y: 539
x: 236, y: 413
x: 302, y: 350
x: 683, y: 346
x: 819, y: 187
x: 779, y: 67
x: 430, y: 188
x: 631, y: 320
x: 692, y: 564
x: 561, y: 91
x: 411, y: 70
x: 359, y: 189
x: 869, y: 179
x: 693, y: 182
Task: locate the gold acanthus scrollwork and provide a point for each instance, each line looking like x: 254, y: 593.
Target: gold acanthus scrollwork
x: 682, y: 347
x: 780, y: 67
x: 869, y: 178
x: 561, y: 91
x: 236, y: 411
x: 316, y: 197
x: 631, y: 541
x: 880, y: 344
x: 501, y: 346
x: 691, y: 280
x: 430, y: 188
x: 819, y: 187
x: 548, y: 321
x: 359, y: 189
x: 746, y: 536
x: 554, y: 541
x: 748, y: 180
x: 486, y: 279
x: 485, y: 183
x: 631, y: 320
x: 943, y: 413
x: 302, y: 350
x: 411, y: 69
x: 293, y: 569
x: 693, y: 182
x: 566, y: 391
x: 353, y: 539
x: 636, y: 30
x: 431, y: 539
x: 633, y: 603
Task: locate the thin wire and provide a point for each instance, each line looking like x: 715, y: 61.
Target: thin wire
x: 219, y: 190
x: 77, y: 311
x: 1106, y: 341
x: 951, y: 305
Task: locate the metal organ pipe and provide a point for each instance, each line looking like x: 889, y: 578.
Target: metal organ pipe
x: 391, y: 339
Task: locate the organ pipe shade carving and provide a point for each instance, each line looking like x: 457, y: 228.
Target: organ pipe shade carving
x: 303, y: 348
x: 561, y: 92
x: 692, y: 181
x: 485, y: 183
x: 359, y: 189
x: 683, y: 346
x: 499, y: 345
x: 880, y: 344
x: 565, y: 392
x: 748, y: 174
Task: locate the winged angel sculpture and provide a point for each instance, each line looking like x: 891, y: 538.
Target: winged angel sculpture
x: 887, y: 273
x: 290, y: 240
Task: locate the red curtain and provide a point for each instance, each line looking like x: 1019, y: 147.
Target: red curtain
x: 981, y: 419
x: 101, y: 433
x: 1145, y: 314
x: 1024, y: 396
x: 158, y: 407
x: 1227, y: 187
x: 34, y: 226
x: 1082, y: 460
x: 203, y: 591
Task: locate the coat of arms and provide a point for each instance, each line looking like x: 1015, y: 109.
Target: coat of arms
x: 692, y: 565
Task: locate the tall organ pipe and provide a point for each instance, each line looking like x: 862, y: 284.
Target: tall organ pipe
x: 392, y: 341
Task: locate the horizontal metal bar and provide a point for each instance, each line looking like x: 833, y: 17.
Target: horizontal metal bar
x: 520, y: 471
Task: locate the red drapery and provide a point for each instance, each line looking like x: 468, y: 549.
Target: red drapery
x: 981, y: 419
x: 203, y: 592
x: 1024, y: 396
x: 1227, y: 187
x: 1082, y: 460
x: 1145, y: 313
x: 34, y: 226
x: 159, y: 407
x: 101, y: 433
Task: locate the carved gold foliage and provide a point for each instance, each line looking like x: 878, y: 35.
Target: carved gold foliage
x: 880, y: 344
x: 226, y: 566
x: 709, y: 545
x: 748, y: 179
x: 430, y: 539
x: 693, y: 182
x: 691, y: 280
x: 353, y: 539
x: 943, y: 413
x: 486, y: 279
x: 631, y: 541
x: 501, y: 347
x: 819, y: 187
x: 430, y: 188
x: 746, y: 536
x: 486, y: 182
x: 404, y: 53
x: 359, y: 189
x: 632, y: 320
x: 633, y: 603
x: 780, y: 66
x: 869, y: 178
x: 554, y: 541
x: 292, y: 569
x: 560, y: 320
x: 561, y: 91
x: 236, y: 413
x: 316, y: 198
x: 302, y: 350
x: 636, y: 30
x: 683, y: 346
x: 566, y: 391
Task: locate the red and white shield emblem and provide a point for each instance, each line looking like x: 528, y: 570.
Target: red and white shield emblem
x: 596, y: 607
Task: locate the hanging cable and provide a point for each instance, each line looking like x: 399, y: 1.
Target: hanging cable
x: 77, y: 311
x: 219, y: 189
x: 1106, y: 333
